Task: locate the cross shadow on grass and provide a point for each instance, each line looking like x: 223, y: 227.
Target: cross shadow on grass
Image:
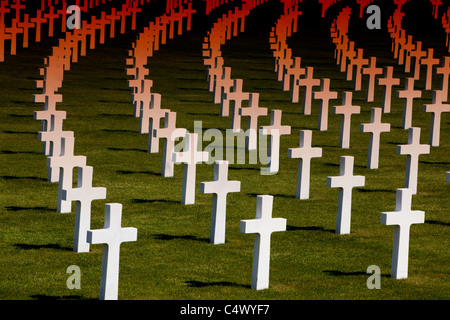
x: 48, y: 297
x: 138, y: 172
x: 153, y: 201
x: 311, y: 228
x: 17, y: 208
x: 168, y: 237
x: 337, y: 273
x: 204, y: 284
x: 26, y: 246
x: 22, y: 178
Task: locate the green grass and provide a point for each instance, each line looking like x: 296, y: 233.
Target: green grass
x: 172, y: 258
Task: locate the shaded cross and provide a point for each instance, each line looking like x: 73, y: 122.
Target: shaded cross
x: 388, y: 81
x: 325, y: 95
x: 435, y: 108
x: 253, y: 111
x: 409, y: 94
x: 347, y: 110
x: 308, y: 82
x: 372, y: 71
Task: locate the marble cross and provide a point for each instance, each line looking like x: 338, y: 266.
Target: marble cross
x: 111, y: 236
x: 347, y: 110
x: 436, y: 108
x: 429, y: 61
x: 220, y: 188
x: 263, y: 225
x: 402, y: 218
x: 253, y: 111
x: 408, y: 94
x: 275, y: 130
x: 388, y: 81
x: 375, y: 127
x: 304, y: 153
x: 346, y: 181
x: 308, y: 82
x: 372, y: 71
x: 413, y: 150
x: 325, y: 95
x: 237, y: 96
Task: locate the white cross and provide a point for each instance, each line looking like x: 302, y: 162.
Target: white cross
x: 304, y: 153
x: 84, y: 194
x: 143, y: 96
x: 295, y: 71
x: 372, y: 71
x: 263, y: 225
x: 66, y: 162
x: 346, y: 181
x: 220, y: 187
x: 347, y: 110
x: 436, y: 109
x: 222, y: 84
x: 413, y: 149
x: 253, y: 111
x: 359, y: 62
x: 417, y: 54
x: 388, y: 81
x: 111, y: 236
x: 402, y: 218
x: 308, y: 82
x: 275, y: 130
x: 151, y: 116
x: 324, y: 95
x: 429, y: 62
x: 444, y: 69
x: 409, y: 94
x: 375, y: 127
x: 170, y: 133
x: 190, y: 157
x: 237, y: 96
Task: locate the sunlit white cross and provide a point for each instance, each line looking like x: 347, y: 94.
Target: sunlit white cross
x: 358, y: 62
x: 444, y: 70
x: 274, y: 130
x: 253, y: 111
x: 346, y: 181
x: 263, y: 225
x: 347, y: 110
x: 372, y: 71
x: 409, y: 94
x: 294, y: 71
x: 402, y: 218
x: 429, y: 61
x: 84, y: 194
x: 375, y: 127
x: 308, y: 82
x: 66, y: 162
x: 190, y: 157
x: 151, y: 116
x: 111, y: 236
x: 413, y: 150
x: 388, y: 81
x: 304, y: 153
x: 325, y: 95
x: 237, y: 96
x: 436, y: 108
x: 220, y: 188
x: 223, y: 83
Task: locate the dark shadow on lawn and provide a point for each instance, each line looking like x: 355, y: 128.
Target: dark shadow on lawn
x: 203, y: 284
x: 168, y: 237
x: 154, y: 200
x: 26, y: 246
x: 120, y: 131
x: 311, y: 228
x: 138, y: 172
x: 22, y: 178
x: 337, y: 273
x: 47, y: 297
x: 20, y: 152
x: 374, y: 190
x: 17, y: 208
x: 19, y: 132
x: 438, y: 223
x: 126, y: 149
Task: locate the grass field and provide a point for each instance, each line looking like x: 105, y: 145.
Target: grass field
x: 172, y: 258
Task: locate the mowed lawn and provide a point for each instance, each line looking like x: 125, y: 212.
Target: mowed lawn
x: 172, y: 258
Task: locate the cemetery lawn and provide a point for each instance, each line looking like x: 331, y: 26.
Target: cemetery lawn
x: 172, y: 258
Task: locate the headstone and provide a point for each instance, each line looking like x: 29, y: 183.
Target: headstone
x: 308, y: 82
x: 413, y: 149
x: 409, y: 94
x: 325, y: 95
x: 402, y: 218
x: 294, y: 71
x: 372, y: 71
x: 111, y: 236
x: 190, y: 157
x: 220, y: 188
x: 304, y: 153
x: 346, y: 181
x: 66, y: 162
x: 429, y: 61
x: 359, y: 62
x: 237, y: 96
x: 150, y: 118
x: 253, y: 111
x: 347, y: 110
x: 388, y: 81
x: 418, y: 54
x: 435, y: 108
x: 84, y: 194
x: 375, y: 127
x: 275, y: 130
x: 263, y: 225
x: 169, y: 133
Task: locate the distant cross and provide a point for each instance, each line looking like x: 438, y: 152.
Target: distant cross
x: 275, y: 130
x: 263, y: 225
x: 26, y: 25
x: 406, y: 48
x: 408, y: 94
x: 347, y: 56
x: 111, y: 236
x: 402, y: 218
x: 17, y: 6
x: 436, y: 109
x: 347, y: 110
x: 51, y: 16
x: 38, y: 20
x: 294, y: 71
x: 346, y: 181
x: 375, y: 127
x: 413, y: 150
x: 150, y: 119
x: 304, y: 153
x: 359, y: 62
x: 190, y: 157
x: 372, y: 71
x: 222, y: 85
x: 388, y: 81
x: 84, y: 194
x: 418, y: 54
x: 308, y: 82
x: 325, y: 95
x: 253, y: 111
x: 237, y: 96
x: 170, y: 133
x: 142, y: 96
x: 429, y: 62
x: 14, y: 30
x: 112, y: 18
x: 444, y: 70
x: 214, y: 72
x: 66, y: 162
x: 220, y: 188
